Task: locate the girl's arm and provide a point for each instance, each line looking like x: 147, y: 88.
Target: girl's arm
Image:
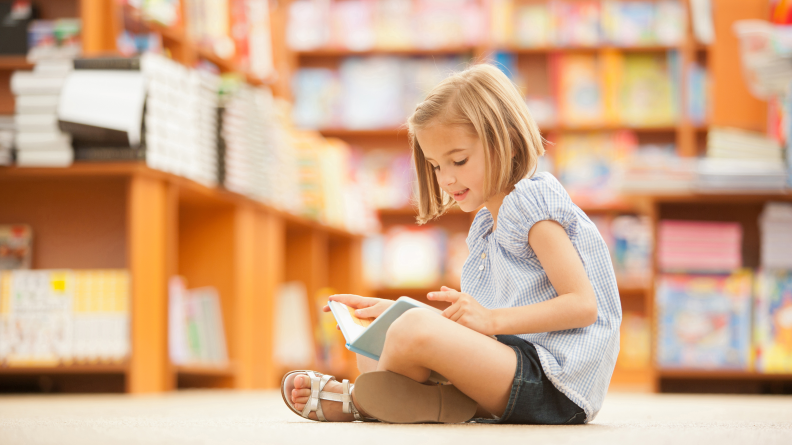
x: 574, y: 307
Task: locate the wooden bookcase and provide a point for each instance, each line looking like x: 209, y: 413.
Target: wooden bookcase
x: 156, y: 225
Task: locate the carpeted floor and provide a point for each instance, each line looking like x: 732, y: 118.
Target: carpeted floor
x: 216, y: 417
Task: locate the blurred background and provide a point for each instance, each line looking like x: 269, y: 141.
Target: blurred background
x: 184, y: 182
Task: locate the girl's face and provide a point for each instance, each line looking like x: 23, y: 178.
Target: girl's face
x: 458, y: 161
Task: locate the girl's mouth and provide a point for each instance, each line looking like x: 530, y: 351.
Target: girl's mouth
x: 459, y: 196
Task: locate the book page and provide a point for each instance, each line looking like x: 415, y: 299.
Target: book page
x: 351, y: 326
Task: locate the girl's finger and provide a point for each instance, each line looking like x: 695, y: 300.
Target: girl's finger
x: 353, y: 301
x: 450, y: 311
x: 451, y: 297
x: 457, y: 315
x: 326, y: 308
x: 446, y: 288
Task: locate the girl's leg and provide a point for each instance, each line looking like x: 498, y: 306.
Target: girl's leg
x: 366, y: 364
x: 481, y: 367
x: 420, y: 341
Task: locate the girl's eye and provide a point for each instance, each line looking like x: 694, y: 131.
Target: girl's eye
x: 462, y: 162
x: 435, y: 167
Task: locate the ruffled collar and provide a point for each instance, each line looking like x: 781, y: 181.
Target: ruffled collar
x: 481, y: 227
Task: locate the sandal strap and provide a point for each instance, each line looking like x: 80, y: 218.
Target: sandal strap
x: 317, y: 385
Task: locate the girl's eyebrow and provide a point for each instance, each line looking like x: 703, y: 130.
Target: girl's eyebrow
x: 448, y: 153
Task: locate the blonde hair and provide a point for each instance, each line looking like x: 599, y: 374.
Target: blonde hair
x: 483, y: 99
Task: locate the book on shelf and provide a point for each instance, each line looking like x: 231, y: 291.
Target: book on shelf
x: 775, y: 231
x: 7, y: 136
x: 62, y: 317
x: 701, y: 16
x: 412, y: 257
x: 97, y: 104
x: 636, y: 342
x: 629, y: 241
x: 704, y: 321
x: 330, y: 351
x: 699, y: 246
x: 587, y: 164
x: 773, y: 321
x: 385, y: 25
x: 196, y: 334
x: 294, y: 342
x: 657, y: 168
x: 38, y: 141
x: 16, y: 246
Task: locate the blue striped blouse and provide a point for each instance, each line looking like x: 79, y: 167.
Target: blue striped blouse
x: 579, y: 362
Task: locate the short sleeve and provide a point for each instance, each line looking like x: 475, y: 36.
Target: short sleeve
x: 540, y: 198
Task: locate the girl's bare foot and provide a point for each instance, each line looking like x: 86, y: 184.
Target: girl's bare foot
x: 332, y: 410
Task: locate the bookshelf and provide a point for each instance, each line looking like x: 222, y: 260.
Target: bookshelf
x: 155, y: 224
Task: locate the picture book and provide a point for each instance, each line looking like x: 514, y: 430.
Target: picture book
x: 367, y: 336
x: 704, y: 321
x: 773, y: 321
x: 579, y: 91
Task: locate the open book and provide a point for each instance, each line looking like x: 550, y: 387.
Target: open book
x: 367, y: 336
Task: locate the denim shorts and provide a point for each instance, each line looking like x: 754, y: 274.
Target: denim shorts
x: 534, y: 399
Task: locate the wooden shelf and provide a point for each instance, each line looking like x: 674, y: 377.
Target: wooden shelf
x: 66, y: 369
x: 14, y: 63
x: 701, y: 374
x: 340, y: 52
x: 190, y: 190
x: 205, y: 370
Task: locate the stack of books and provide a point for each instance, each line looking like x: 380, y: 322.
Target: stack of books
x: 657, y: 169
x: 181, y: 119
x: 699, y: 246
x: 61, y: 317
x: 260, y: 159
x: 743, y: 161
x: 704, y: 321
x: 7, y: 130
x: 775, y: 228
x: 39, y: 142
x: 195, y: 325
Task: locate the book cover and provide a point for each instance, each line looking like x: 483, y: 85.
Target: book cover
x: 579, y: 90
x: 366, y: 336
x: 704, y: 321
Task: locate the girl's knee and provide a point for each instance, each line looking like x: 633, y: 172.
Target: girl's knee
x: 410, y: 331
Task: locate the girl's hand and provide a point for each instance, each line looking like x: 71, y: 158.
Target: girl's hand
x: 366, y: 307
x: 465, y: 310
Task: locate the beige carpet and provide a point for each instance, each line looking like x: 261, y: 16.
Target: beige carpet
x: 208, y: 417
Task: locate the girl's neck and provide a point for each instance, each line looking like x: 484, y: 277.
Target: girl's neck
x: 493, y: 205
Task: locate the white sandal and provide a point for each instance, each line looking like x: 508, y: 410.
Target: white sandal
x: 318, y: 382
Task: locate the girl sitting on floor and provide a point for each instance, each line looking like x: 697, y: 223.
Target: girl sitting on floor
x: 539, y: 278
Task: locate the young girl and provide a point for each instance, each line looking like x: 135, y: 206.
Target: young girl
x: 539, y: 278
